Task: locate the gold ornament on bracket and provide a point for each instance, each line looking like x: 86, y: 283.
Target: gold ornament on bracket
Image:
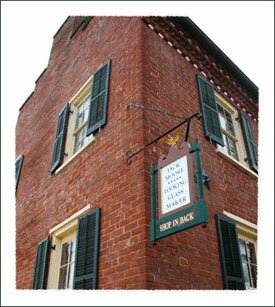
x: 171, y: 139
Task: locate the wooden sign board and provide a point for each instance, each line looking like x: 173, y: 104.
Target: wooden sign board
x: 175, y: 181
x: 177, y: 209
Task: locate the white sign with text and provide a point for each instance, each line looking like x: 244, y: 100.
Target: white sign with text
x: 174, y: 185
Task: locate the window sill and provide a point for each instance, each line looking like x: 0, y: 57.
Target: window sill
x: 73, y: 156
x: 237, y: 163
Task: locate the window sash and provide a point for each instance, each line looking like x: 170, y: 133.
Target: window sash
x: 228, y: 132
x: 226, y: 121
x: 67, y: 265
x: 82, y: 113
x: 249, y: 263
x: 79, y: 134
x: 80, y: 138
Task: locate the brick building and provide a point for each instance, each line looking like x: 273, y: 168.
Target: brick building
x: 83, y: 214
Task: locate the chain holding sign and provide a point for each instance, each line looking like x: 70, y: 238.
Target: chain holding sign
x: 177, y: 209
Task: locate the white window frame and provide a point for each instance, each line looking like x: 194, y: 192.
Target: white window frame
x: 242, y: 163
x: 81, y: 95
x: 247, y: 231
x: 247, y: 263
x: 60, y: 234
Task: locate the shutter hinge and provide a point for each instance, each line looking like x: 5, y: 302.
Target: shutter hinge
x: 66, y: 154
x: 206, y: 179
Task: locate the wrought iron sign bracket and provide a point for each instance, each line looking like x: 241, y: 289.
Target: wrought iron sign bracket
x: 163, y: 112
x: 129, y: 154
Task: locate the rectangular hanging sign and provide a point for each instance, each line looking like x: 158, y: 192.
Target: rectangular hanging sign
x: 177, y: 209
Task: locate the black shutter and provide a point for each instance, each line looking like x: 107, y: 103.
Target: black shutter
x: 211, y: 121
x: 87, y: 248
x: 231, y: 264
x: 250, y: 142
x: 99, y: 99
x: 41, y: 265
x: 60, y: 136
x: 18, y: 166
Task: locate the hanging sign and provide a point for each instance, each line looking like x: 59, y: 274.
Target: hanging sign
x: 177, y: 209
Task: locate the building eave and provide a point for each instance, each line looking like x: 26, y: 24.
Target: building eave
x: 187, y: 25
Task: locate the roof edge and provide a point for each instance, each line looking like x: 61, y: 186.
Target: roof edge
x: 189, y: 26
x: 61, y: 26
x: 26, y: 101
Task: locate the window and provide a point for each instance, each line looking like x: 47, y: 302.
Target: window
x: 248, y: 256
x: 229, y: 129
x: 62, y: 257
x: 234, y: 146
x: 70, y: 253
x: 76, y: 138
x: 81, y: 118
x: 66, y: 270
x: 237, y: 240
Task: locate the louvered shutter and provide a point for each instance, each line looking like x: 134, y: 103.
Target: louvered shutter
x: 99, y: 99
x: 18, y: 166
x: 250, y: 142
x: 41, y: 265
x: 231, y: 264
x: 60, y: 136
x: 87, y: 248
x: 211, y: 121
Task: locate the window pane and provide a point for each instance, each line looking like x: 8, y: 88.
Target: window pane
x: 71, y: 272
x: 85, y: 139
x: 230, y: 128
x: 62, y: 278
x: 247, y: 250
x: 223, y: 148
x: 222, y: 121
x: 251, y: 252
x: 246, y: 275
x: 232, y: 149
x: 228, y: 117
x: 253, y: 269
x: 227, y: 145
x: 82, y: 113
x: 226, y: 120
x: 66, y: 271
x: 79, y: 139
x: 64, y: 253
x: 79, y: 118
x: 86, y: 105
x: 229, y: 123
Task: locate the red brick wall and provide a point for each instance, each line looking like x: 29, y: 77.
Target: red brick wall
x: 144, y: 70
x: 98, y: 176
x: 188, y: 259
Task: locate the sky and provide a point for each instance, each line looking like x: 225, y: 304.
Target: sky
x: 244, y: 31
